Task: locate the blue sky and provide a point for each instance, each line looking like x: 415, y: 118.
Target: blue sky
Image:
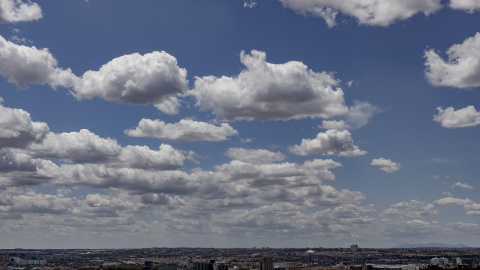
x: 282, y: 123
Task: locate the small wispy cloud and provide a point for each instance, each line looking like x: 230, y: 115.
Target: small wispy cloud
x: 386, y: 165
x: 462, y: 185
x: 249, y: 4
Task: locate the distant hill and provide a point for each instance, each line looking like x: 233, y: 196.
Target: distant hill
x: 430, y: 245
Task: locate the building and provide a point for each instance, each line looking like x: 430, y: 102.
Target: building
x: 441, y: 262
x: 266, y: 264
x: 148, y: 265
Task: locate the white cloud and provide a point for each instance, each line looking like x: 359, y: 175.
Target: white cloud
x: 249, y: 4
x: 32, y: 202
x: 461, y: 70
x: 136, y: 79
x: 386, y: 165
x: 333, y: 124
x: 328, y: 143
x: 12, y: 11
x: 283, y: 174
x: 153, y: 78
x: 14, y: 160
x: 87, y: 147
x: 472, y: 209
x: 453, y: 201
x: 266, y: 91
x: 462, y: 185
x: 17, y: 128
x: 451, y: 118
x: 77, y: 147
x: 412, y: 209
x: 360, y: 114
x: 469, y: 6
x: 254, y: 155
x: 185, y: 130
x: 142, y: 157
x: 24, y: 65
x: 379, y: 13
x: 168, y: 105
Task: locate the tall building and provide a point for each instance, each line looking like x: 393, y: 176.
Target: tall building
x: 148, y: 265
x: 266, y: 264
x: 354, y: 248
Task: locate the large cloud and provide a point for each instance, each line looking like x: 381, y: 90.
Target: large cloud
x: 152, y: 78
x: 268, y: 91
x: 451, y: 118
x: 24, y: 65
x: 469, y: 6
x: 386, y: 165
x: 17, y: 128
x: 185, y: 130
x: 134, y: 79
x: 328, y: 143
x: 461, y: 69
x: 368, y: 12
x: 12, y: 11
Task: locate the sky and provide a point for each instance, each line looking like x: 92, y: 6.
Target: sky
x: 242, y: 123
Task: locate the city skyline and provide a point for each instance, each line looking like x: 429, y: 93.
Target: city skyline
x: 282, y: 123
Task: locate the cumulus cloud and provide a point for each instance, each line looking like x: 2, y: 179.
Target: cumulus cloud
x: 377, y: 13
x: 152, y: 78
x: 254, y: 155
x: 461, y: 69
x: 32, y: 202
x: 87, y: 147
x: 17, y: 128
x: 472, y: 209
x: 357, y: 116
x: 451, y: 118
x: 469, y: 6
x: 77, y: 147
x: 453, y: 201
x: 462, y: 185
x: 185, y: 130
x: 134, y: 79
x: 14, y: 160
x: 283, y: 174
x: 334, y: 124
x: 24, y: 65
x: 142, y: 157
x: 12, y: 11
x: 266, y: 91
x: 386, y: 165
x: 328, y: 143
x: 412, y: 209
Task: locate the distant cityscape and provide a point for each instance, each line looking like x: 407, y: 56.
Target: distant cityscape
x: 351, y: 258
